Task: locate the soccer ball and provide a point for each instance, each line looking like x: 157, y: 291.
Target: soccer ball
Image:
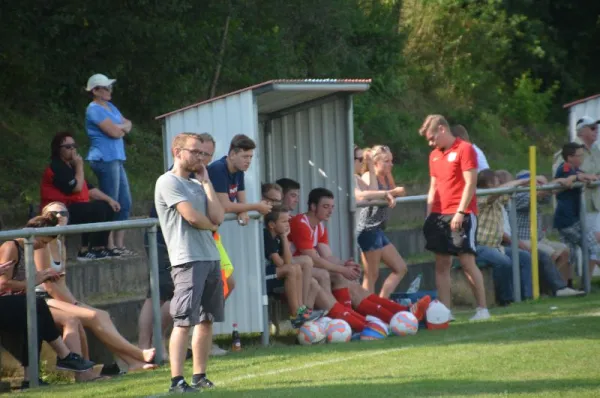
x: 373, y: 331
x: 338, y: 331
x: 311, y: 333
x: 385, y: 326
x: 404, y: 323
x: 324, y: 321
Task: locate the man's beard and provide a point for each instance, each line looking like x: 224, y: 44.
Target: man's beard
x: 191, y: 167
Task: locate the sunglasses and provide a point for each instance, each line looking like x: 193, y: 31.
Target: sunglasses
x: 69, y: 146
x: 360, y: 159
x: 62, y: 213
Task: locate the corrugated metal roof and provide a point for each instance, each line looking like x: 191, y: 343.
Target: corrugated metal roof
x: 310, y: 88
x: 579, y: 101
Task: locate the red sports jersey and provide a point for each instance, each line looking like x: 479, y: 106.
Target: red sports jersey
x: 447, y: 167
x: 303, y: 236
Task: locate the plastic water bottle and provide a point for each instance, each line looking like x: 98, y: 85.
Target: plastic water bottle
x: 236, y: 342
x: 415, y: 285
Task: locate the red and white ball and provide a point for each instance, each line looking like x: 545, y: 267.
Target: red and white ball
x: 338, y: 331
x: 404, y: 323
x: 311, y: 333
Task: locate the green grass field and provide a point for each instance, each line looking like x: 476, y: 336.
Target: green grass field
x: 547, y: 348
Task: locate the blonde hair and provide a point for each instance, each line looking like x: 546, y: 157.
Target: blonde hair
x: 432, y: 122
x: 376, y: 153
x: 181, y: 139
x: 46, y: 208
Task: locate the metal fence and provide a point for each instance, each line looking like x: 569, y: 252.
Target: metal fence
x: 151, y: 224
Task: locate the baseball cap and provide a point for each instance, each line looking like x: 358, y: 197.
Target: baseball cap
x: 438, y: 315
x: 98, y: 80
x: 585, y: 121
x: 522, y: 175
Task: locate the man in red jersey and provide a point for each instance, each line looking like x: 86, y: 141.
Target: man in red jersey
x: 452, y: 209
x: 308, y: 236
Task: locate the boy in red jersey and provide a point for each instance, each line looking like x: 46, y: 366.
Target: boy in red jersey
x: 451, y: 221
x: 309, y: 237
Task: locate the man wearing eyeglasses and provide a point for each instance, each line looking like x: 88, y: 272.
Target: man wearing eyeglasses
x: 587, y: 134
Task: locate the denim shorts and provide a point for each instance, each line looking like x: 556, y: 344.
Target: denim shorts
x: 372, y: 240
x: 112, y: 180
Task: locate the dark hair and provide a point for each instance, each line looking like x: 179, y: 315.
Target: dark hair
x: 266, y: 187
x: 460, y: 131
x: 570, y: 149
x: 273, y: 216
x: 287, y: 184
x: 486, y: 178
x: 57, y: 141
x: 47, y: 220
x: 315, y: 196
x: 241, y: 142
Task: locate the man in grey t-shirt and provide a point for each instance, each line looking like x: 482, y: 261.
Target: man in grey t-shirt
x: 189, y: 212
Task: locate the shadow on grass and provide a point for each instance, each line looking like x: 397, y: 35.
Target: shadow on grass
x: 421, y: 388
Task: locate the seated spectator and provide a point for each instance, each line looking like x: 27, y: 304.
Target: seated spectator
x: 461, y: 132
x: 279, y: 263
x: 13, y: 305
x: 309, y: 236
x: 490, y: 230
x: 377, y: 183
x: 272, y: 194
x: 64, y: 181
x: 566, y: 215
x: 546, y: 268
x: 61, y: 300
x: 291, y: 193
x: 558, y: 252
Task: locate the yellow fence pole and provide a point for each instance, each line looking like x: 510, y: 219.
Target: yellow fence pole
x: 533, y: 223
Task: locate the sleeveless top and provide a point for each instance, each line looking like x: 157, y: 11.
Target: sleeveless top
x: 373, y: 217
x: 18, y: 270
x: 55, y: 265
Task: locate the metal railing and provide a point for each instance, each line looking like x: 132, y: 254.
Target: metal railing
x: 150, y: 224
x: 585, y: 274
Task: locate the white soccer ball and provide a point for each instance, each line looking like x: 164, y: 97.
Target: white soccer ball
x: 311, y: 333
x: 338, y: 331
x: 385, y: 326
x: 404, y: 323
x: 324, y: 321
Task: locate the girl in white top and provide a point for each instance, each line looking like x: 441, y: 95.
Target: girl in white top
x: 62, y: 302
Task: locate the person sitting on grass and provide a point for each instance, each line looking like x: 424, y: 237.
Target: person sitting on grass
x: 309, y: 236
x: 279, y: 263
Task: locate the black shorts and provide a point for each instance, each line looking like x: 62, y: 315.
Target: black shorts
x: 440, y: 239
x: 273, y: 284
x: 166, y: 287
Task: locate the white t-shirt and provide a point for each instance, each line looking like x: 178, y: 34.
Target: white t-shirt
x: 482, y: 162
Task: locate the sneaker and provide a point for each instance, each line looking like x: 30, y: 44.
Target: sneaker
x: 303, y: 317
x: 125, y: 252
x: 203, y: 383
x: 111, y: 253
x: 318, y: 313
x: 90, y: 255
x: 568, y: 292
x: 419, y: 308
x: 74, y: 362
x: 41, y: 383
x: 182, y: 387
x: 217, y: 351
x: 480, y: 315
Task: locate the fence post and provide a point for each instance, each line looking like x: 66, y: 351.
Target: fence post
x: 514, y: 247
x: 263, y: 284
x: 32, y: 332
x: 155, y: 295
x: 585, y: 254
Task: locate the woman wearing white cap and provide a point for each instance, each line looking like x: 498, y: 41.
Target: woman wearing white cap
x: 106, y: 128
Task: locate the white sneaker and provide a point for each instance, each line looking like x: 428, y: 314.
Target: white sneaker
x: 568, y: 292
x: 217, y: 351
x: 480, y: 315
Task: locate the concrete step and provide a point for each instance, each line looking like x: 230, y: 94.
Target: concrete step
x: 127, y: 275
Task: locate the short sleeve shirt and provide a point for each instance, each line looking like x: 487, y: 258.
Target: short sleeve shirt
x: 567, y: 201
x: 103, y: 147
x: 64, y: 177
x: 185, y: 243
x: 273, y: 245
x: 303, y: 236
x: 225, y: 182
x: 447, y: 167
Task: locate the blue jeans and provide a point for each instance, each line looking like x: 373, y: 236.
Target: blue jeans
x: 502, y: 271
x: 112, y: 180
x: 547, y: 271
x: 526, y: 278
